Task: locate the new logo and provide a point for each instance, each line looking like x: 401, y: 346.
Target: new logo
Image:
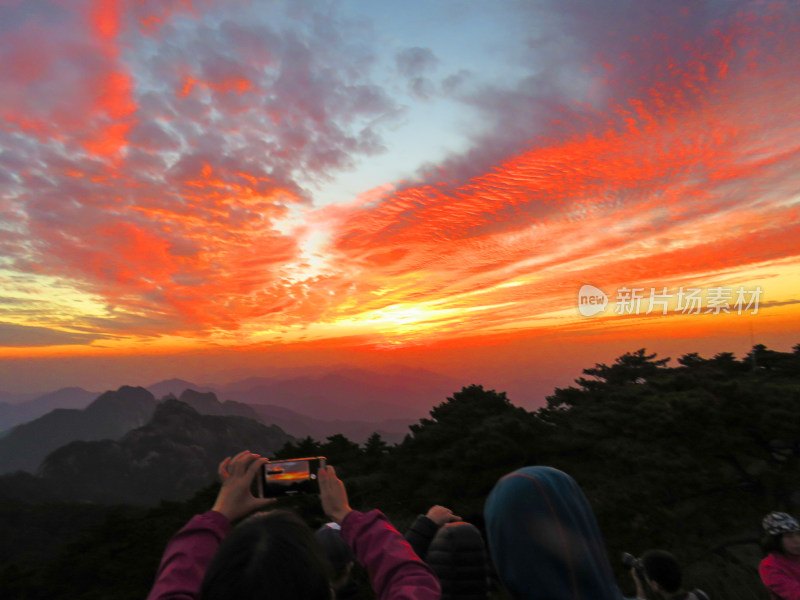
x: 591, y: 300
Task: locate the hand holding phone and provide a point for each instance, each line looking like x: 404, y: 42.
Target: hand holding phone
x: 236, y: 475
x: 289, y: 477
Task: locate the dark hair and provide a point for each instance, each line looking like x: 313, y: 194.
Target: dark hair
x: 662, y: 567
x: 269, y: 556
x: 771, y: 542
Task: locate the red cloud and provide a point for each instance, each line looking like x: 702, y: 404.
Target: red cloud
x: 62, y: 78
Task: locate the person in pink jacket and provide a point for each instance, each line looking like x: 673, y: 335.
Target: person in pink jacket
x: 274, y: 555
x: 780, y: 570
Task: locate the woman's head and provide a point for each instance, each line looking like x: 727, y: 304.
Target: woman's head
x: 270, y: 555
x: 539, y: 516
x: 781, y: 534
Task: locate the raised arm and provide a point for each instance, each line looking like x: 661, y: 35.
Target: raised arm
x: 190, y: 551
x: 395, y: 571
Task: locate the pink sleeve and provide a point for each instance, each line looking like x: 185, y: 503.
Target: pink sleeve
x: 779, y: 581
x: 396, y: 573
x: 187, y: 556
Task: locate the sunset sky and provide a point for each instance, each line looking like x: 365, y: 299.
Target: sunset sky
x: 209, y: 188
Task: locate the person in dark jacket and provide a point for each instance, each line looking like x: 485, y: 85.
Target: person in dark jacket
x: 424, y: 528
x: 544, y: 539
x: 457, y: 555
x: 456, y: 552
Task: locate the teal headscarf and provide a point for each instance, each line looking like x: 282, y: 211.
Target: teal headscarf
x: 544, y: 539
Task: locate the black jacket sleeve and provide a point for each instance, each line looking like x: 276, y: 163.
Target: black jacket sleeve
x: 420, y: 535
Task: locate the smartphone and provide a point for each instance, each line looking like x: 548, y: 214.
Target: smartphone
x: 289, y: 477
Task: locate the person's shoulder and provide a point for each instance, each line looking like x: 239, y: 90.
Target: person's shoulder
x: 768, y: 560
x: 780, y: 561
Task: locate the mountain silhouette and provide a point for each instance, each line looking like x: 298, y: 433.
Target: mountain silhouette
x: 392, y: 431
x: 21, y: 412
x: 174, y: 454
x: 175, y: 387
x: 351, y: 394
x: 110, y: 416
x: 207, y: 403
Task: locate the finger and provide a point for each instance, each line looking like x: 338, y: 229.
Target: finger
x: 241, y: 460
x: 253, y: 467
x: 257, y: 460
x: 222, y: 470
x: 324, y: 474
x: 326, y: 477
x: 323, y: 478
x: 234, y: 463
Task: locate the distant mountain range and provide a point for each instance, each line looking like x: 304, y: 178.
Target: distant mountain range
x: 175, y: 387
x: 12, y: 398
x: 110, y: 416
x: 392, y: 431
x: 340, y: 394
x: 27, y: 409
x: 170, y: 457
x: 293, y: 423
x: 140, y: 445
x: 353, y: 402
x: 349, y: 394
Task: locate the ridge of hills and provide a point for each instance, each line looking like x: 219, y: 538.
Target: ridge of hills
x: 315, y: 405
x: 384, y: 400
x: 391, y: 431
x: 171, y: 455
x: 294, y: 423
x: 10, y: 398
x: 110, y: 416
x: 14, y: 413
x: 114, y: 413
x: 341, y: 394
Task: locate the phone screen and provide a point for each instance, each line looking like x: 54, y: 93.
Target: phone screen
x: 289, y: 477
